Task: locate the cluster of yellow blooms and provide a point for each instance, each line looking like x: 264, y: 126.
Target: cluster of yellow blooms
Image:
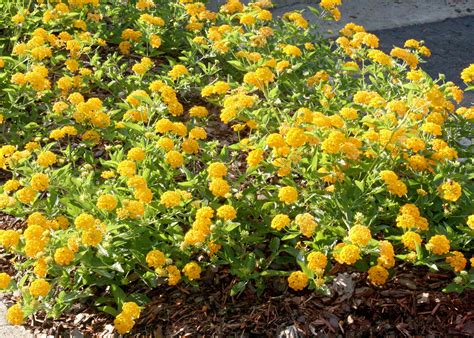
x: 148, y: 153
x: 125, y: 320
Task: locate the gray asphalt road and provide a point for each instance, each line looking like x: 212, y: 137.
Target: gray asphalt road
x: 451, y: 43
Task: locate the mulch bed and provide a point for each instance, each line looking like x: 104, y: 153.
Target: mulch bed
x: 412, y: 303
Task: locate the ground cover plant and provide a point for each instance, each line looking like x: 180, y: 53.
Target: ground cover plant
x: 147, y: 142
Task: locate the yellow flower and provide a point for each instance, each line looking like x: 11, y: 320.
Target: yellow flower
x: 217, y: 170
x: 63, y: 256
x: 411, y: 239
x: 360, y: 235
x: 174, y: 158
x: 39, y: 182
x: 457, y: 261
x: 317, y: 261
x: 84, y: 221
x: 123, y: 323
x: 205, y: 213
x: 467, y: 75
x: 11, y: 185
x: 9, y: 239
x: 5, y: 280
x: 126, y: 168
x: 92, y: 237
x: 247, y: 19
x: 170, y: 199
x: 106, y: 202
x: 255, y: 157
x: 280, y: 221
x: 450, y: 191
x: 275, y: 140
x: 410, y: 59
x: 378, y: 275
x: 40, y: 268
x: 387, y: 255
x: 192, y: 270
x: 166, y: 143
x: 198, y: 111
x: 349, y: 113
x: 226, y: 212
x: 131, y: 309
x: 219, y: 187
x: 288, y: 195
x: 380, y: 57
x: 46, y: 159
x: 178, y: 71
x: 26, y: 195
x: 18, y: 19
x: 333, y: 143
x: 136, y: 154
x: 349, y: 254
x: 292, y: 50
x: 306, y: 223
x: 174, y: 275
x: 295, y: 137
x: 155, y: 259
x: 438, y: 244
x: 39, y: 287
x: 298, y: 280
x: 470, y: 221
x: 15, y: 315
x: 136, y: 97
x: 329, y: 4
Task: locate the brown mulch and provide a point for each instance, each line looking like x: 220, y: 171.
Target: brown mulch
x: 412, y: 303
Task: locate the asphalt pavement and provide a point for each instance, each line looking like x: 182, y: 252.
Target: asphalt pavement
x: 451, y: 43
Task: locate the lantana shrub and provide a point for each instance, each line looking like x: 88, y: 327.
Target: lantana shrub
x: 145, y: 142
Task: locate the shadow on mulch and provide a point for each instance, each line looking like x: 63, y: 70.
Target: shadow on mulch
x: 410, y: 304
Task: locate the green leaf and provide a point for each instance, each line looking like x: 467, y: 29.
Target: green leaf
x: 238, y: 288
x: 359, y: 185
x: 109, y: 310
x: 290, y: 236
x: 119, y: 295
x: 453, y: 287
x: 274, y: 244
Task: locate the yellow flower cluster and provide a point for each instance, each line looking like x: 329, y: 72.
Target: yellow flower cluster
x: 457, y: 261
x: 280, y: 221
x: 411, y: 239
x: 260, y: 78
x: 450, y: 191
x: 192, y: 270
x: 298, y: 280
x: 317, y: 262
x: 410, y: 217
x: 360, y: 235
x: 201, y: 226
x: 395, y: 186
x: 4, y: 280
x: 306, y: 224
x: 438, y: 244
x: 92, y: 230
x: 125, y: 320
x: 39, y: 287
x: 15, y: 315
x: 346, y: 253
x: 378, y: 275
x: 467, y: 75
x: 288, y: 195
